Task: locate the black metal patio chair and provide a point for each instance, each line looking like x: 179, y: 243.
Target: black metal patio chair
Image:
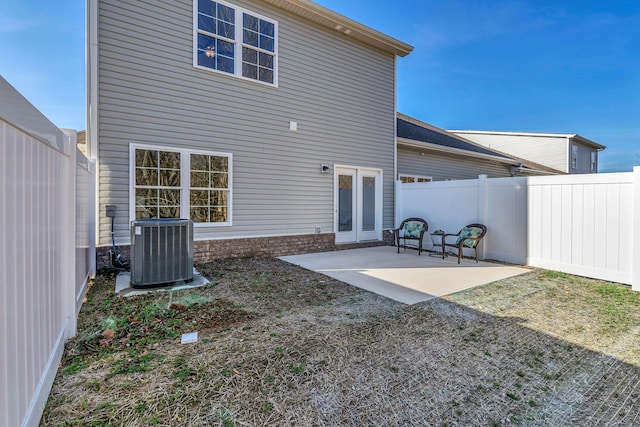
x: 411, y: 229
x: 467, y: 237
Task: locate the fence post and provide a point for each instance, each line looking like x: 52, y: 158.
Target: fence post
x: 68, y: 233
x: 398, y: 198
x: 92, y: 216
x: 635, y: 242
x: 482, y: 210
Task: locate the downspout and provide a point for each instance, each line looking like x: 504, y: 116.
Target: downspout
x: 91, y: 62
x: 395, y: 140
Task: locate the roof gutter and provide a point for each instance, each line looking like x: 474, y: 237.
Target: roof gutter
x: 518, y: 169
x: 586, y: 141
x: 330, y: 19
x: 569, y: 136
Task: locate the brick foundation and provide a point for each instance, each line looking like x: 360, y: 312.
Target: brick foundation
x: 206, y: 250
x: 263, y: 246
x: 102, y: 255
x: 387, y: 238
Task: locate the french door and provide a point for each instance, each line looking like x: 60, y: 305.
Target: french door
x: 358, y: 204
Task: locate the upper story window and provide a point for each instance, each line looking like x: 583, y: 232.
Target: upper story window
x: 594, y: 161
x: 574, y: 157
x: 236, y: 41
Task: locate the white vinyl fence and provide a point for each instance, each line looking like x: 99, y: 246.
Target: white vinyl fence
x: 85, y: 248
x: 47, y: 252
x: 578, y: 224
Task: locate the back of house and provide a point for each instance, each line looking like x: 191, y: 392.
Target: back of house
x: 269, y: 123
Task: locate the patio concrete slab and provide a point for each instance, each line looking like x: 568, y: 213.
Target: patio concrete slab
x: 404, y: 277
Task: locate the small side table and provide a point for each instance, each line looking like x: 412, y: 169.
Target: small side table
x: 436, y: 242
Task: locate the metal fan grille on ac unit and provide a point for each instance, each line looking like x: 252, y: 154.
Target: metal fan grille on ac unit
x: 161, y: 252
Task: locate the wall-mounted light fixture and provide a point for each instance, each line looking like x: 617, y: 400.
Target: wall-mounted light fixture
x: 516, y: 169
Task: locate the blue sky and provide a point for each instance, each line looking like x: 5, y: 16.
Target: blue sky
x: 42, y: 51
x: 569, y: 66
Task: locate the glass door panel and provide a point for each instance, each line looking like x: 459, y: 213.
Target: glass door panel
x: 368, y: 203
x: 346, y: 208
x: 358, y: 209
x: 345, y: 202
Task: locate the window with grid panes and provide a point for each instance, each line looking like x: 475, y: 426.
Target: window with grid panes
x: 181, y: 184
x: 236, y: 41
x: 405, y: 179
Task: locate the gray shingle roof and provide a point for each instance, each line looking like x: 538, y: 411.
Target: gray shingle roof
x: 430, y: 134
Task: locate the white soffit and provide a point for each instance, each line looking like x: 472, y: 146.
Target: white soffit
x: 330, y: 19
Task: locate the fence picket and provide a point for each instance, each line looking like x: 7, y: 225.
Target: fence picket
x: 40, y: 207
x: 579, y: 224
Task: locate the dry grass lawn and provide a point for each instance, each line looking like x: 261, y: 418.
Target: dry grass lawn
x: 279, y: 345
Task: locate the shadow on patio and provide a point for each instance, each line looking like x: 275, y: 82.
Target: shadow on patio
x: 404, y: 277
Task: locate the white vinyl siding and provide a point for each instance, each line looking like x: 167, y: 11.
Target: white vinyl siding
x: 340, y: 92
x: 552, y: 152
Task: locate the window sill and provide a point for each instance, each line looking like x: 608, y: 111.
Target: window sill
x: 233, y: 76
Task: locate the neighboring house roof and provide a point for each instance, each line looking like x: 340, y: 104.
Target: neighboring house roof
x: 330, y: 19
x: 573, y: 136
x: 415, y: 130
x: 418, y: 134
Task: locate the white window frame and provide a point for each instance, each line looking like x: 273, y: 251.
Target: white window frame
x: 594, y: 161
x: 574, y: 157
x: 185, y: 181
x: 415, y: 178
x: 238, y: 43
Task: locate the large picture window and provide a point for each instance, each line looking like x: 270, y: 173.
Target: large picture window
x: 168, y: 183
x: 233, y: 40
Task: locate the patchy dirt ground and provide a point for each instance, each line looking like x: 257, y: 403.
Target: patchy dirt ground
x: 279, y: 345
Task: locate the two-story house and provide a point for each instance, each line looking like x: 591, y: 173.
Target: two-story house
x: 565, y: 153
x: 270, y: 123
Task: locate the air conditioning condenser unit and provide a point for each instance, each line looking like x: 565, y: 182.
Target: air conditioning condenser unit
x: 161, y: 252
